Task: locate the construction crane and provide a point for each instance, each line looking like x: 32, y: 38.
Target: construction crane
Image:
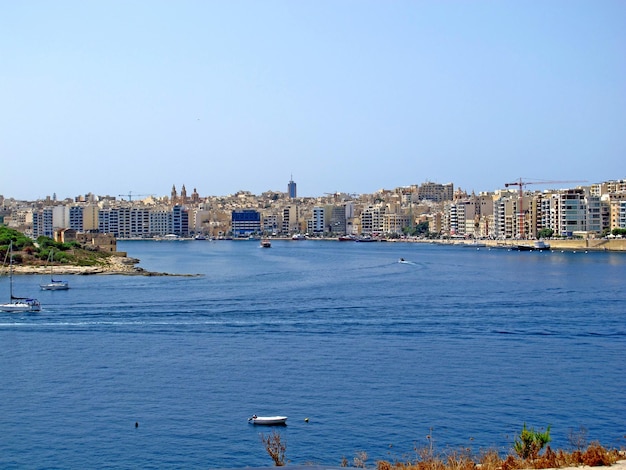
x: 130, y: 195
x: 520, y: 184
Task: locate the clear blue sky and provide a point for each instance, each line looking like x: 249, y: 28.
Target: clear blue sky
x: 347, y: 95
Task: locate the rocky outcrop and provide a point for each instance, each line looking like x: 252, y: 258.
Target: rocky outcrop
x: 112, y: 265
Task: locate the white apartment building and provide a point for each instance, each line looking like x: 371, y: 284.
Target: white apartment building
x: 108, y: 221
x: 571, y: 212
x: 594, y: 214
x: 372, y: 220
x: 454, y: 218
x: 160, y: 221
x: 134, y: 222
x: 505, y: 215
x: 43, y: 222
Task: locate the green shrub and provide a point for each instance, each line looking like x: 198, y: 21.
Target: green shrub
x: 530, y: 442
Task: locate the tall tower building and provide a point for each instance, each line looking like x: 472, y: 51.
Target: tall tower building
x: 291, y: 189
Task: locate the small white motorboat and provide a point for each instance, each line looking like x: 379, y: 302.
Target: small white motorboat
x: 268, y: 420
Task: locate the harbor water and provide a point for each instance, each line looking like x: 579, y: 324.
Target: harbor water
x: 455, y: 347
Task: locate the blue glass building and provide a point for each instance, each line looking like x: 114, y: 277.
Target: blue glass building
x: 246, y: 222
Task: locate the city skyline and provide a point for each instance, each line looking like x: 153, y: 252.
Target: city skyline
x: 593, y: 210
x: 347, y: 96
x: 176, y: 191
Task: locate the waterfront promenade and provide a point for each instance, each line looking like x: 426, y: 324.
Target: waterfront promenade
x: 592, y: 244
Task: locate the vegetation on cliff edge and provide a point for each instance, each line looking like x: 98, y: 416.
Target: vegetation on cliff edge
x: 525, y: 454
x: 36, y: 253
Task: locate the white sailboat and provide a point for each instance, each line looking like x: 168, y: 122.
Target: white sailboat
x: 54, y: 284
x: 17, y: 304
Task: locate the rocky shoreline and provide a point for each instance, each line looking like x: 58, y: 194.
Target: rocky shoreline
x: 120, y: 265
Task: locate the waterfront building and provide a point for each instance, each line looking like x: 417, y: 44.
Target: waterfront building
x: 108, y: 221
x: 160, y: 222
x: 435, y: 222
x: 372, y: 220
x: 199, y: 219
x: 594, y: 213
x: 180, y: 220
x: 547, y: 212
x: 462, y: 216
x: 395, y: 223
x: 505, y: 214
x: 571, y: 212
x: 134, y: 222
x: 485, y: 226
x: 245, y: 222
x: 532, y: 216
x: 270, y: 223
x: 451, y: 217
x: 290, y: 219
x: 318, y: 221
x: 338, y: 219
x: 349, y: 210
x: 621, y: 214
x: 483, y: 215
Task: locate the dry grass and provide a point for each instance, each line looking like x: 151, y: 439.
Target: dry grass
x: 594, y: 455
x: 275, y: 447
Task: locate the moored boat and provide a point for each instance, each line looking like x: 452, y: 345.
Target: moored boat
x: 54, y: 284
x: 268, y: 420
x: 18, y: 304
x: 538, y: 245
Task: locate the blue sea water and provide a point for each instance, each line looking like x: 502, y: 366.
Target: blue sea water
x: 460, y: 344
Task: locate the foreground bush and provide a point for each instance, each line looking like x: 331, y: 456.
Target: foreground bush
x: 530, y: 442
